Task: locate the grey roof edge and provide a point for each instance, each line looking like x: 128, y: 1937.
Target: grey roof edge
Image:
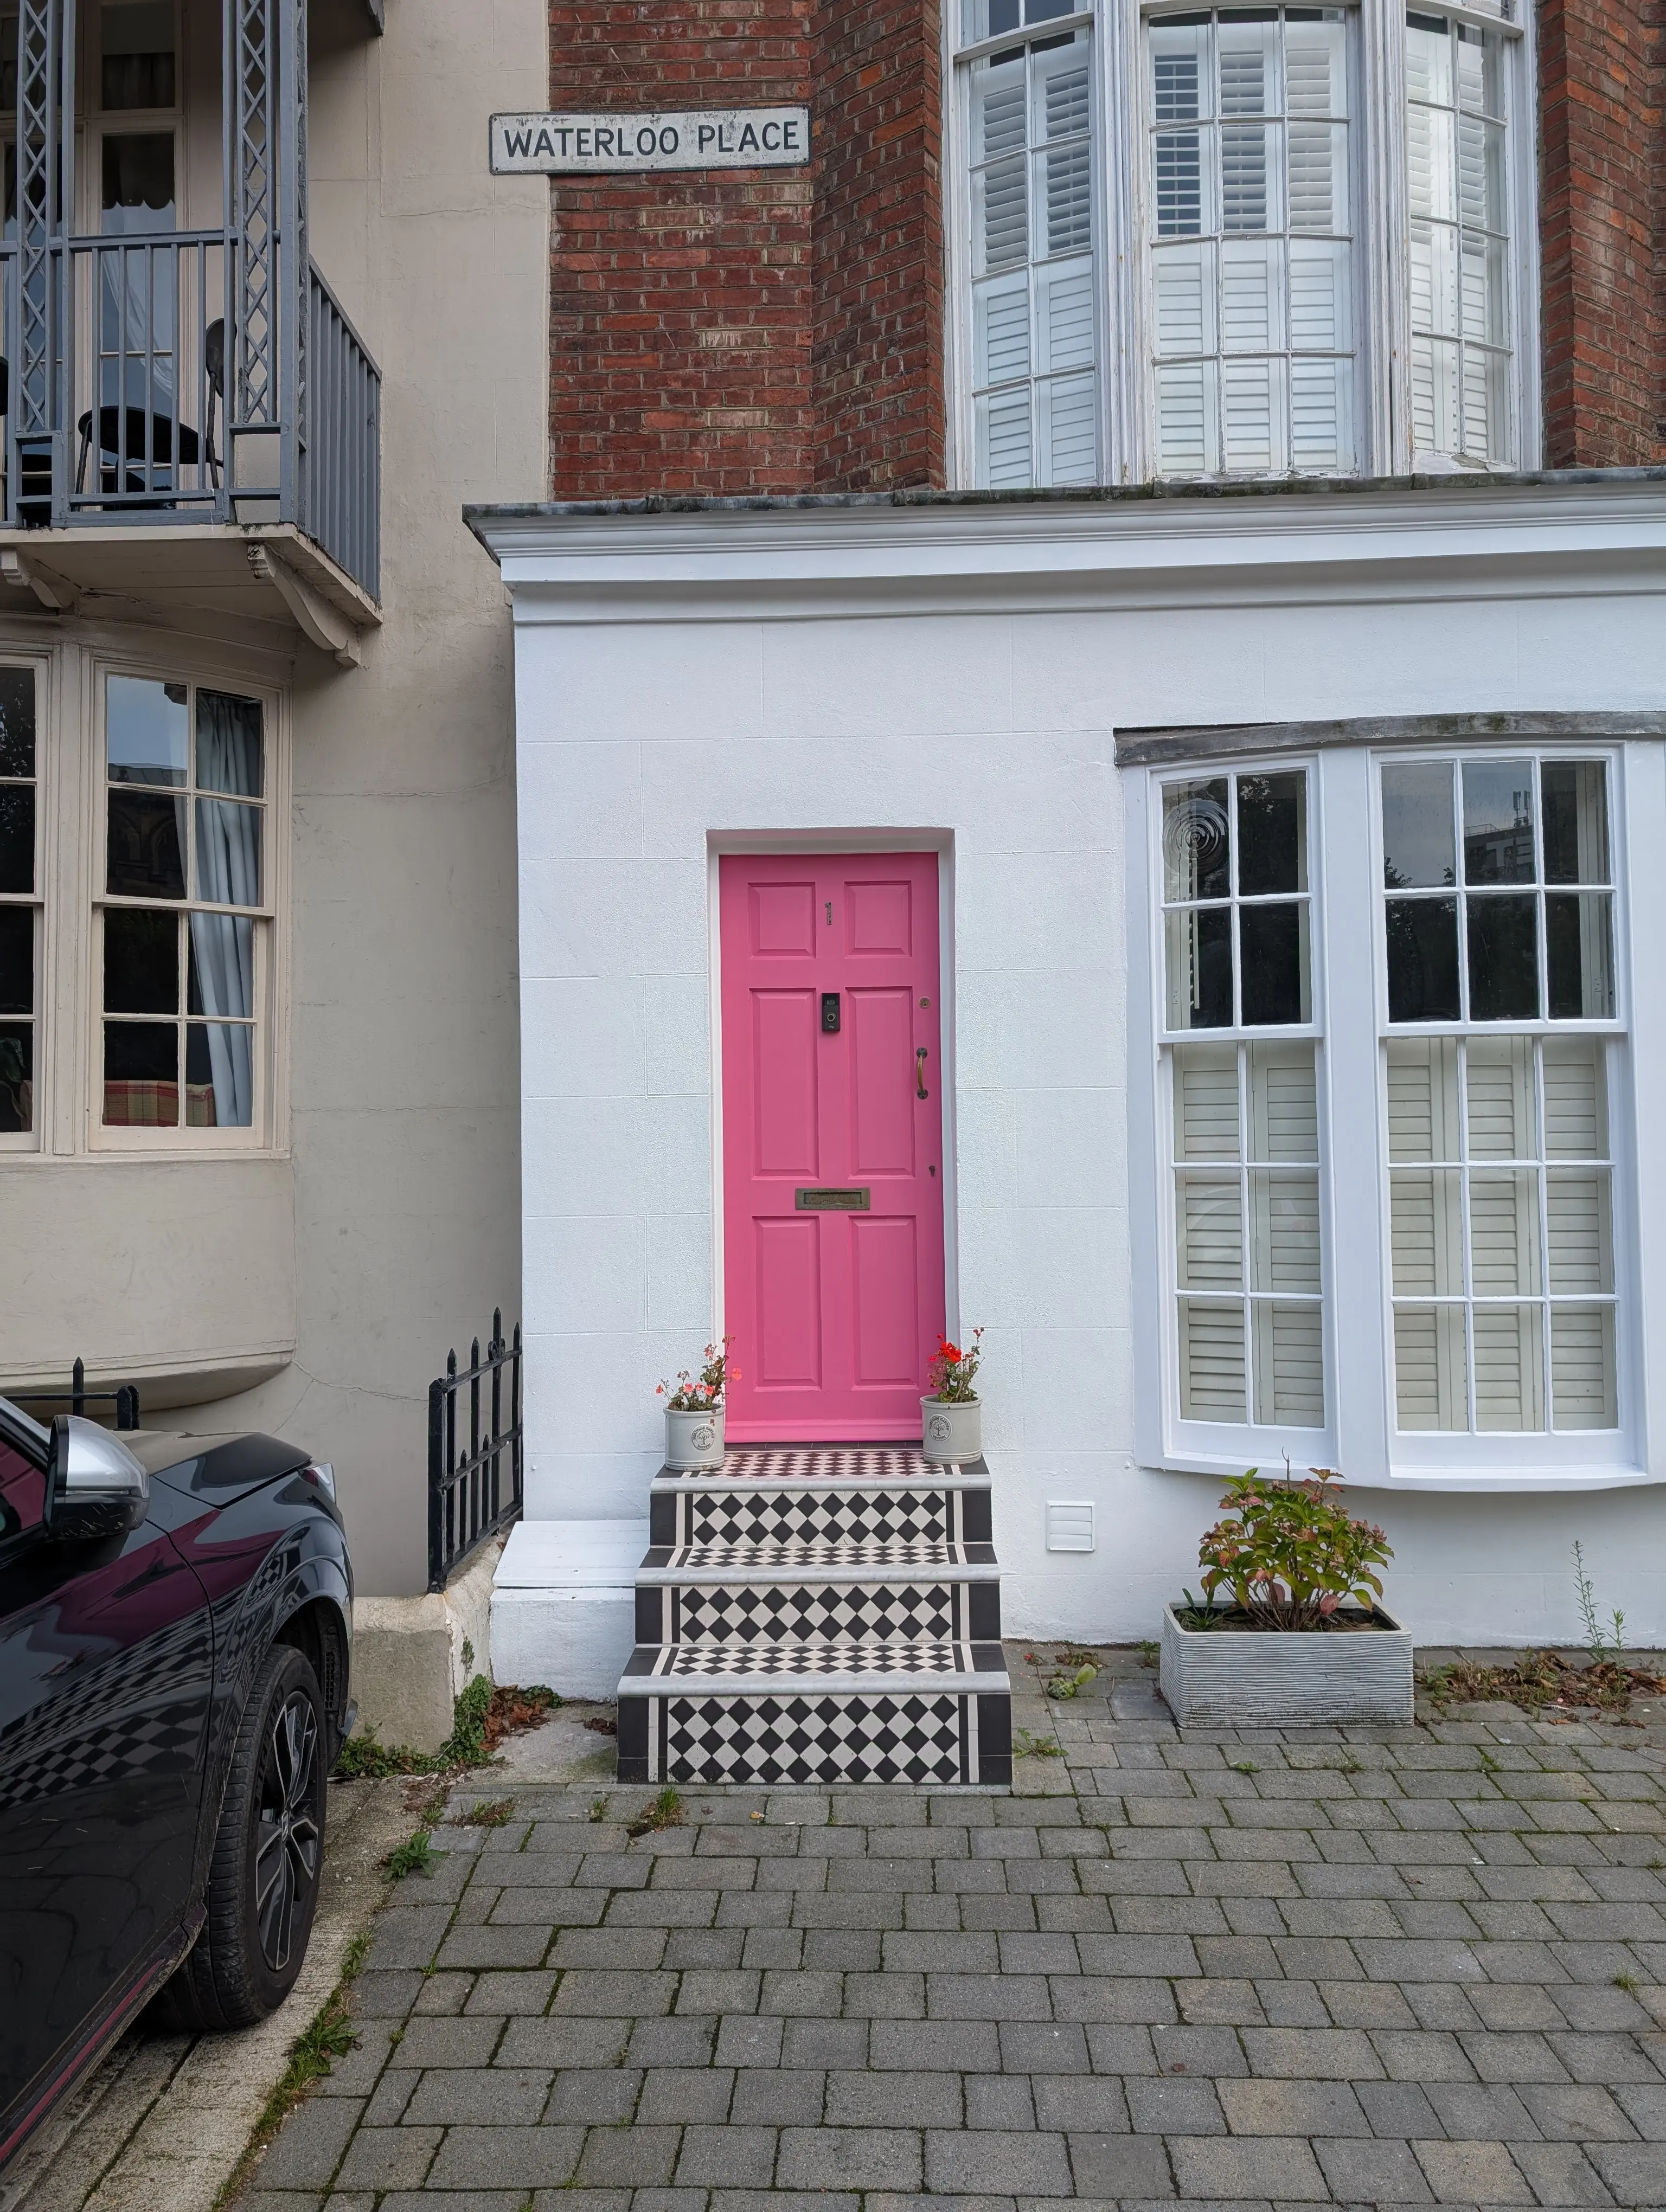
x: 480, y: 517
x: 1200, y: 741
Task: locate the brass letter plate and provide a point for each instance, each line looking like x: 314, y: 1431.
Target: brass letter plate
x: 832, y: 1201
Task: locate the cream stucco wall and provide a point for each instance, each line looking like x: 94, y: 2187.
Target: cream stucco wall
x: 383, y: 1227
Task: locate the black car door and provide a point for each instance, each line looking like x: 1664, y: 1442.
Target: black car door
x: 106, y: 1673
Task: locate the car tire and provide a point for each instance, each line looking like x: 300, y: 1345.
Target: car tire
x: 263, y: 1883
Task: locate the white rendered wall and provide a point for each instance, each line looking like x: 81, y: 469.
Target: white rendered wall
x: 640, y: 739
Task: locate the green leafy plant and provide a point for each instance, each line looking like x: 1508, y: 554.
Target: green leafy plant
x: 1245, y: 1767
x: 1198, y: 1616
x: 951, y: 1370
x: 598, y: 1808
x: 1629, y: 1982
x: 1601, y: 1645
x: 664, y: 1812
x: 417, y: 1855
x: 488, y: 1812
x: 1290, y: 1552
x: 698, y: 1394
x: 1151, y: 1651
x: 1069, y: 1679
x: 1036, y: 1746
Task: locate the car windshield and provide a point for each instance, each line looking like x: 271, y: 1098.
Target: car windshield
x: 30, y: 1428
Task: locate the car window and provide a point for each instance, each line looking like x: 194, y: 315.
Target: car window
x: 22, y: 1491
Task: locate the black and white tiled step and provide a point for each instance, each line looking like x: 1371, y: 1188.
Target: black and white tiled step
x: 826, y: 1614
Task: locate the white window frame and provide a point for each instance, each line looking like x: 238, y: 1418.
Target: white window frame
x: 42, y: 902
x: 1361, y: 1438
x: 1382, y: 287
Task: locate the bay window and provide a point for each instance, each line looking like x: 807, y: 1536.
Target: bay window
x: 1437, y: 1053
x: 21, y: 825
x: 1175, y: 256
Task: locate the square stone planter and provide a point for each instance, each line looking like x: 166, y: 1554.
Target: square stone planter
x: 1238, y: 1678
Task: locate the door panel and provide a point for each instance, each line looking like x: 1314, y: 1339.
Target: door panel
x: 832, y: 1141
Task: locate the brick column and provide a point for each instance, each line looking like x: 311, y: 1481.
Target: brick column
x: 1601, y: 184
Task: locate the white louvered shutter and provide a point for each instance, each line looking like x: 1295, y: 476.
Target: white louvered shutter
x: 1034, y: 301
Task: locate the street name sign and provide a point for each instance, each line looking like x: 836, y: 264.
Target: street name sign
x: 600, y: 145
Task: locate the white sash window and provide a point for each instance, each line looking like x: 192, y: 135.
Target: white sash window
x: 1254, y: 241
x: 1398, y: 1216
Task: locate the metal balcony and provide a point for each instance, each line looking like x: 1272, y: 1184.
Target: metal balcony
x: 184, y: 376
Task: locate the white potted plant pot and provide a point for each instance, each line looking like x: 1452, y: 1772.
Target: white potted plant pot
x: 696, y: 1439
x: 952, y: 1430
x: 1254, y: 1678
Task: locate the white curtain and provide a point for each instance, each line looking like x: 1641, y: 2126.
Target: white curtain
x: 228, y: 873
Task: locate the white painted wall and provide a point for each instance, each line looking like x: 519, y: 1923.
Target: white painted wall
x: 959, y: 670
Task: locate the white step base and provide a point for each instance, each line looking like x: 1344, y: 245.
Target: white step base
x: 564, y: 1604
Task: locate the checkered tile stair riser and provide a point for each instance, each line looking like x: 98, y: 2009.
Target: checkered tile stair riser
x: 818, y: 1614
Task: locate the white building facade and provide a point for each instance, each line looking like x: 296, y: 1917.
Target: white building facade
x: 1296, y: 1007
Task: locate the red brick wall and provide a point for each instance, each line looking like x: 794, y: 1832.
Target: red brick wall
x: 772, y: 330
x: 1603, y: 196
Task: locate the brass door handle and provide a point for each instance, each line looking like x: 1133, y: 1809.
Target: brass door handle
x: 921, y: 1056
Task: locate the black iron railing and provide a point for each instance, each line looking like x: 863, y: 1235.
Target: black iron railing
x: 474, y: 1484
x: 78, y: 1397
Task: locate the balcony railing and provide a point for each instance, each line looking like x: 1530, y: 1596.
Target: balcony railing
x: 163, y: 410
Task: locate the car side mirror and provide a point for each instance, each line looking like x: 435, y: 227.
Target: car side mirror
x: 94, y: 1487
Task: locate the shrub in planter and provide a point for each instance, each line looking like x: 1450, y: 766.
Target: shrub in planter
x: 951, y: 1417
x: 1303, y: 1638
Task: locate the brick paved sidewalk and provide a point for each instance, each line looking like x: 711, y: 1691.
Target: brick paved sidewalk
x: 1369, y: 1968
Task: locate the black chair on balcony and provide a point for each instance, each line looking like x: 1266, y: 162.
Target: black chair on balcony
x: 148, y: 440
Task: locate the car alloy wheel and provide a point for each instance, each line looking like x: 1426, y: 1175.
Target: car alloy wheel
x: 288, y: 1842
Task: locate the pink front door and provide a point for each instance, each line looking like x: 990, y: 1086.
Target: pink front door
x: 832, y: 1141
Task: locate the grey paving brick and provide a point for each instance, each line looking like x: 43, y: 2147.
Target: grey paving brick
x: 779, y: 2096
x: 483, y: 2096
x: 546, y: 2043
x: 1043, y: 2047
x: 506, y: 2158
x: 1634, y: 2173
x: 986, y: 2160
x: 446, y: 2042
x: 1373, y: 2172
x: 311, y: 2144
x: 613, y: 1996
x: 506, y: 1991
x: 1283, y: 2167
x: 1212, y: 2051
x: 1292, y: 2108
x: 594, y: 2096
x: 1336, y: 2054
x: 744, y: 2042
x: 1645, y: 2106
x: 988, y: 1996
x: 848, y: 2158
x: 932, y: 2045
x: 1168, y: 2103
x: 1420, y: 2055
x: 893, y: 2100
x: 1084, y: 2103
x: 391, y: 2158
x: 1473, y: 2173
x: 999, y: 2100
x: 494, y: 1947
x: 1481, y: 2113
x: 675, y: 2093
x: 628, y: 2158
x: 1398, y: 2108
x: 726, y: 2157
x: 844, y: 2043
x: 671, y: 2042
x: 1561, y: 2173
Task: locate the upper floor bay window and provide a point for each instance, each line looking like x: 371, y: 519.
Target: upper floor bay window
x: 1175, y: 260
x: 1393, y: 1121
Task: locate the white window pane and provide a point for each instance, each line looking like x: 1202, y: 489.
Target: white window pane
x: 1430, y: 167
x: 1317, y: 158
x: 1509, y: 1344
x: 1178, y: 86
x: 1321, y: 318
x: 1070, y: 431
x: 1000, y: 216
x: 1422, y: 1099
x: 1284, y: 1232
x: 1484, y: 401
x: 997, y: 112
x: 1065, y: 317
x: 1430, y: 1368
x: 1321, y: 422
x: 1315, y: 69
x: 1000, y: 326
x: 1211, y: 1362
x: 1504, y: 1112
x: 1503, y: 1233
x: 1429, y: 62
x: 1183, y: 283
x: 1205, y: 1101
x: 1249, y: 391
x: 1003, y: 440
x: 1185, y: 426
x: 1435, y: 395
x: 1209, y: 1233
x: 1248, y: 67
x: 1251, y: 286
x: 1284, y: 1106
x: 1578, y: 1226
x: 1582, y: 1393
x: 1179, y: 184
x: 1576, y: 1099
x: 1069, y: 200
x: 1246, y: 201
x: 1425, y: 1218
x: 1290, y: 1370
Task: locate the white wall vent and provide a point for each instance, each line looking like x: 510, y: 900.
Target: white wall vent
x: 1069, y: 1526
